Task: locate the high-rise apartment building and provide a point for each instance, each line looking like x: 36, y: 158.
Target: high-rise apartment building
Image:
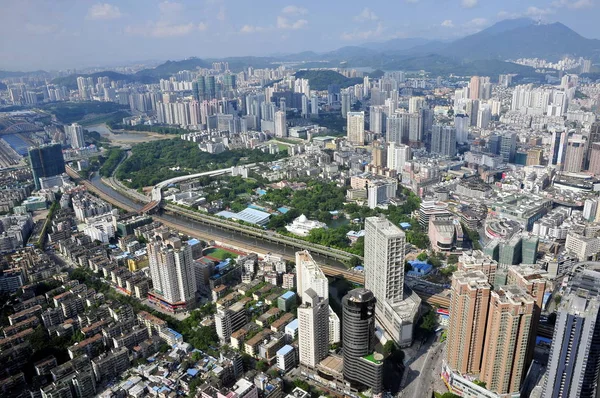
x: 310, y: 277
x: 379, y: 155
x: 398, y: 127
x: 531, y: 280
x: 46, y: 161
x: 468, y: 319
x: 355, y: 127
x: 280, y: 124
x: 574, y: 362
x: 461, y: 124
x: 75, y: 134
x: 594, y: 166
x: 172, y: 272
x: 346, y: 105
x: 362, y: 367
x: 576, y: 148
x: 507, y: 335
x: 443, y: 140
x: 313, y: 328
x: 384, y: 260
x: 396, y: 312
x: 474, y: 87
x: 397, y: 155
x: 508, y: 146
x: 377, y: 119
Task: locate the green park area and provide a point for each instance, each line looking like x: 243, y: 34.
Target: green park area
x: 219, y: 253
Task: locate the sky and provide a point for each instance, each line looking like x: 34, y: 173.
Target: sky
x: 61, y: 34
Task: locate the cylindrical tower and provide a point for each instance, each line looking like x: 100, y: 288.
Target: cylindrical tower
x: 361, y: 365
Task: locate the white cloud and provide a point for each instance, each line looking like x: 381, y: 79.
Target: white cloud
x: 469, y: 3
x: 477, y: 22
x: 169, y: 24
x: 164, y: 29
x: 221, y: 14
x: 575, y: 4
x: 411, y: 1
x: 364, y: 34
x: 170, y: 8
x: 103, y: 11
x: 252, y: 29
x: 366, y: 15
x: 284, y: 23
x: 448, y: 23
x: 294, y: 10
x: 41, y: 29
x: 538, y: 12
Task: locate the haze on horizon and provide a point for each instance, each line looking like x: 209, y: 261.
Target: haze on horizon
x: 60, y: 34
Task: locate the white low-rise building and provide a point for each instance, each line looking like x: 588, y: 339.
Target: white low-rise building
x: 302, y: 226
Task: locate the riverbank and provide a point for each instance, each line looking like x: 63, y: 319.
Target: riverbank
x: 127, y: 137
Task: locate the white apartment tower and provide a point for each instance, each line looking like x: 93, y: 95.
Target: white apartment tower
x: 171, y: 269
x: 395, y: 312
x: 356, y: 128
x: 384, y: 260
x: 313, y: 328
x: 397, y: 155
x: 310, y: 277
x: 75, y: 134
x: 280, y: 124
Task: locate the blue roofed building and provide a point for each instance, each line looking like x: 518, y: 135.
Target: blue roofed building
x: 291, y: 329
x: 286, y: 358
x: 287, y: 301
x: 170, y: 336
x: 419, y: 268
x: 251, y: 216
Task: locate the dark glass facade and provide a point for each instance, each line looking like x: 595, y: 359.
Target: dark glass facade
x: 46, y: 161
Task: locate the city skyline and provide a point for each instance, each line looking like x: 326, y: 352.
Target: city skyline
x: 85, y: 34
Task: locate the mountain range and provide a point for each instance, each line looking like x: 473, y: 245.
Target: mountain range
x: 485, y: 52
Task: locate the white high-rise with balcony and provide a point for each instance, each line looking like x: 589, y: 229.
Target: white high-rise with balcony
x: 396, y: 313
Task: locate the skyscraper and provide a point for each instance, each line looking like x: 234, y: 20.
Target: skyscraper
x: 508, y: 146
x: 593, y: 137
x: 280, y: 124
x: 384, y: 276
x: 574, y: 362
x: 362, y: 366
x: 356, y: 128
x: 397, y: 155
x: 314, y: 105
x: 443, y: 140
x: 310, y: 276
x: 594, y: 167
x: 75, y: 134
x: 468, y: 318
x: 531, y: 280
x: 313, y: 328
x: 474, y: 88
x: 397, y: 127
x: 507, y: 335
x: 378, y: 155
x: 576, y: 147
x: 172, y: 272
x: 461, y: 124
x: 346, y: 105
x: 377, y: 119
x: 46, y: 161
